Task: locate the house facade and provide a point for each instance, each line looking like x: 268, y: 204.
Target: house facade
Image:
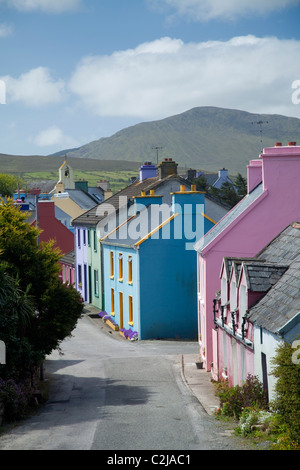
x: 162, y: 179
x: 271, y: 204
x: 256, y: 308
x: 147, y: 289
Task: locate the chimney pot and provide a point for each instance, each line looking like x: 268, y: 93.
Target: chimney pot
x: 182, y: 188
x: 292, y: 144
x: 278, y: 144
x: 193, y: 187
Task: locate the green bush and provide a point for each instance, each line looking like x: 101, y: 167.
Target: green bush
x: 287, y: 390
x: 234, y: 399
x: 14, y: 398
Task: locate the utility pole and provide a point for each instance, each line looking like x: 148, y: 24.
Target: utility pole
x: 260, y: 123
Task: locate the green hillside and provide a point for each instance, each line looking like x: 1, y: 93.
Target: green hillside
x: 205, y: 138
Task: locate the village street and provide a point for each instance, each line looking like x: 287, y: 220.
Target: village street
x: 107, y: 393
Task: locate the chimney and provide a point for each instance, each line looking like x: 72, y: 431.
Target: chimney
x: 254, y: 174
x: 103, y: 184
x: 147, y: 170
x: 281, y: 167
x: 146, y: 200
x: 223, y: 173
x: 190, y: 222
x: 83, y: 185
x: 167, y: 168
x: 107, y: 194
x: 190, y: 202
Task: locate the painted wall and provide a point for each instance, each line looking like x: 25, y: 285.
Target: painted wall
x: 53, y: 229
x: 114, y: 285
x: 95, y: 290
x: 276, y: 208
x: 81, y: 262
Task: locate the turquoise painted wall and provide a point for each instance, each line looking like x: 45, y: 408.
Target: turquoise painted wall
x: 128, y: 289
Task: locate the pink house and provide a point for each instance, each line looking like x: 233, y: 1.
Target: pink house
x: 271, y: 204
x: 244, y: 282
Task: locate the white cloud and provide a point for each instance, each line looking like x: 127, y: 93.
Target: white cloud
x: 5, y: 30
x: 47, y: 6
x: 201, y: 10
x: 34, y: 88
x: 167, y: 76
x: 54, y: 136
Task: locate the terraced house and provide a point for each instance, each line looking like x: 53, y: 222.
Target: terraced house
x: 98, y: 222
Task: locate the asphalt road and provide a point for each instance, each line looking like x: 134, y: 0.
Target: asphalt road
x: 107, y: 393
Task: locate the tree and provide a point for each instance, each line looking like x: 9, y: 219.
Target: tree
x: 287, y: 388
x: 241, y: 185
x: 35, y: 268
x: 8, y: 184
x: 16, y: 313
x: 201, y: 183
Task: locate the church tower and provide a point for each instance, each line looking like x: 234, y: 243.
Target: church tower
x: 66, y: 176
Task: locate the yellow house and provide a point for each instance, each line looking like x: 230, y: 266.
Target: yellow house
x: 67, y: 197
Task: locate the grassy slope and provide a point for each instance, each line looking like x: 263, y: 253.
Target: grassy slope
x: 206, y: 138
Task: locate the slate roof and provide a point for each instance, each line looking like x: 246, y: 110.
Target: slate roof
x: 91, y: 217
x: 281, y: 304
x: 229, y: 218
x: 81, y: 198
x: 69, y: 258
x: 261, y: 277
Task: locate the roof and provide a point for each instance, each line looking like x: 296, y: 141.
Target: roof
x: 282, y: 302
x: 141, y: 230
x: 68, y: 258
x: 229, y: 218
x: 261, y: 277
x: 92, y: 216
x: 81, y: 198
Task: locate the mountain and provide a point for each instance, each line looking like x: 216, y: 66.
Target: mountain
x: 207, y: 138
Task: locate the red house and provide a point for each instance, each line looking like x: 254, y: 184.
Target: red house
x: 52, y: 228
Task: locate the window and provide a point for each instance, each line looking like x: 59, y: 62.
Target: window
x: 129, y: 269
x: 224, y: 290
x: 130, y: 305
x: 121, y: 308
x: 79, y: 275
x: 78, y: 238
x: 84, y: 237
x: 233, y: 296
x: 89, y: 237
x: 111, y: 264
x: 112, y: 301
x: 95, y: 240
x: 96, y: 283
x: 120, y: 267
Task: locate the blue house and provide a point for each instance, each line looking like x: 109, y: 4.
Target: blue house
x: 149, y: 266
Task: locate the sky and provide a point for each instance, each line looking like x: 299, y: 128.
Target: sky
x: 73, y: 71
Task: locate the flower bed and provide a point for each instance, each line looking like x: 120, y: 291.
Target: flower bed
x: 129, y: 334
x: 109, y: 320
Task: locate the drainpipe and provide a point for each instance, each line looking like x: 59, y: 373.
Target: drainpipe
x: 243, y: 327
x: 214, y: 312
x: 222, y: 315
x: 138, y: 289
x: 233, y: 323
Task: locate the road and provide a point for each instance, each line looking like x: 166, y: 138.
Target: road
x: 107, y: 393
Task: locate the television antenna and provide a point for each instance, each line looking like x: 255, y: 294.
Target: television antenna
x: 157, y: 148
x: 260, y: 123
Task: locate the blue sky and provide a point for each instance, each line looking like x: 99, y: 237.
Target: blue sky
x: 73, y: 71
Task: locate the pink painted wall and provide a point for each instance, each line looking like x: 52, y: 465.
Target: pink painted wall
x: 276, y: 208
